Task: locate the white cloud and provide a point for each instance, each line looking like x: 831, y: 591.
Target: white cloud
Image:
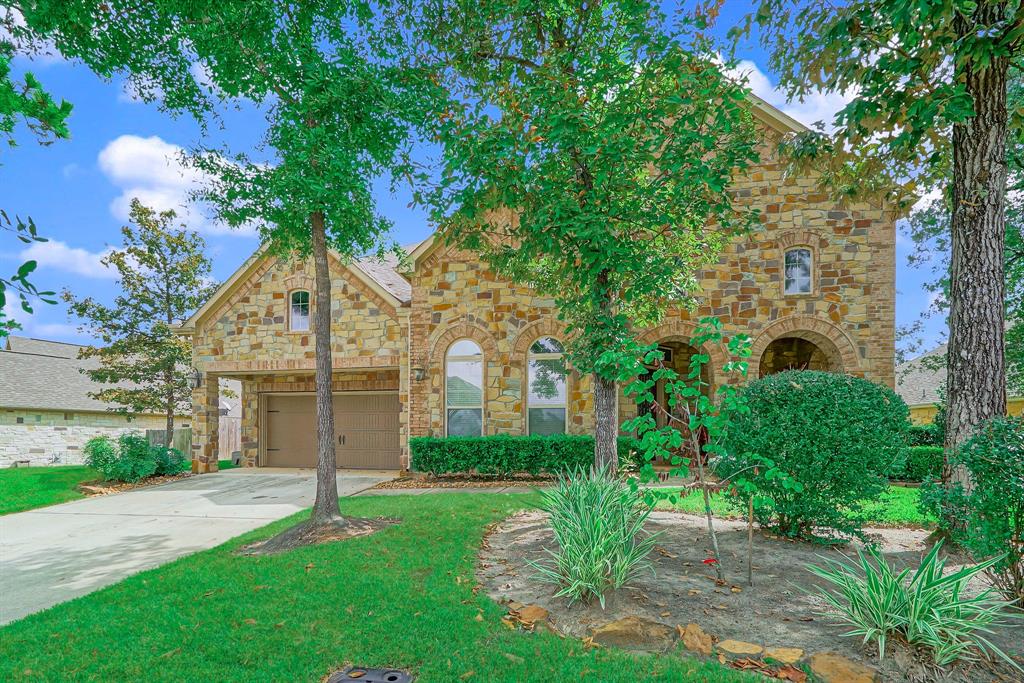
x: 31, y: 326
x: 819, y: 106
x: 151, y: 170
x: 58, y: 255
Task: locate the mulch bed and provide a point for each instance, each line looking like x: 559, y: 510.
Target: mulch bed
x: 100, y: 487
x: 458, y: 481
x: 681, y: 593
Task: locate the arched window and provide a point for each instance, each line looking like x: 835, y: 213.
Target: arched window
x: 798, y: 271
x: 464, y: 389
x: 545, y: 390
x: 298, y: 311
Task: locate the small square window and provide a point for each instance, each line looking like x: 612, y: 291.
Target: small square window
x: 68, y: 417
x: 20, y: 420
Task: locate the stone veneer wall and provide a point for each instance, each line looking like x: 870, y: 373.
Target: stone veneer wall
x: 53, y: 437
x: 849, y: 313
x: 250, y: 329
x: 455, y: 296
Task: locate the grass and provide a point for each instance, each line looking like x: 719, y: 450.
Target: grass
x: 226, y: 465
x: 401, y: 598
x: 26, y: 488
x: 897, y: 507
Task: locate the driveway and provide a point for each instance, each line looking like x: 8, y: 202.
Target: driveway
x: 58, y: 553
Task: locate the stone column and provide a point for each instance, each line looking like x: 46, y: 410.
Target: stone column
x: 206, y: 425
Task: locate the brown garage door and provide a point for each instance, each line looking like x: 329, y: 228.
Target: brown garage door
x: 366, y: 431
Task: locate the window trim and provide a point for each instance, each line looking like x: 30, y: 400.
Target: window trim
x: 812, y: 279
x: 477, y: 358
x: 309, y: 311
x: 526, y: 394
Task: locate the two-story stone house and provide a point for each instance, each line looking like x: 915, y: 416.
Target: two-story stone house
x: 449, y: 348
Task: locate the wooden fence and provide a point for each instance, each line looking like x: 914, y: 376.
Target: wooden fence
x: 230, y: 437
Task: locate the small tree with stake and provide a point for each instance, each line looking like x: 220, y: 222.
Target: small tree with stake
x: 692, y: 419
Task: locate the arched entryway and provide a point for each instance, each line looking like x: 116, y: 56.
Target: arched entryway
x: 802, y: 343
x: 797, y: 353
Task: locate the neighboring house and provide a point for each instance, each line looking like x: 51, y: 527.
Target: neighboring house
x: 920, y: 380
x: 46, y: 413
x: 447, y: 347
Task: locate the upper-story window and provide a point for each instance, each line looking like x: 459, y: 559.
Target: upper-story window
x: 464, y: 389
x: 545, y: 390
x: 298, y: 311
x: 798, y: 271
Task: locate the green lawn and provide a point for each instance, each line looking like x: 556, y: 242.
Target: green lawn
x: 897, y: 507
x: 24, y: 488
x: 401, y: 598
x: 226, y: 465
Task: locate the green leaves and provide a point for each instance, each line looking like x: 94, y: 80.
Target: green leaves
x: 163, y: 276
x: 611, y: 139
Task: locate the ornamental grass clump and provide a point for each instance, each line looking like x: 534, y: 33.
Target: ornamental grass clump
x: 925, y: 608
x: 598, y: 522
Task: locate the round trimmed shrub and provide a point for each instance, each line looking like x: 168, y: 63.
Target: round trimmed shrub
x: 836, y: 435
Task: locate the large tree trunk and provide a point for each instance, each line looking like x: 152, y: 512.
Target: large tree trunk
x: 977, y: 370
x: 606, y: 451
x: 325, y: 508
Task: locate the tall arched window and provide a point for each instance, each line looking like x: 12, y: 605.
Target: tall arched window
x: 298, y: 311
x: 798, y: 271
x: 546, y: 390
x: 464, y: 389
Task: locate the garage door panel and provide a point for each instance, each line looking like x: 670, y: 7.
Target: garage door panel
x: 366, y: 430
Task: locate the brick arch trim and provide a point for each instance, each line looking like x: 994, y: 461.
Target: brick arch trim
x: 546, y: 327
x: 798, y: 238
x: 832, y: 340
x: 464, y: 330
x: 682, y: 330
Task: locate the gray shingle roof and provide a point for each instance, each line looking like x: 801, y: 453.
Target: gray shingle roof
x: 45, y: 375
x: 385, y: 274
x: 918, y: 380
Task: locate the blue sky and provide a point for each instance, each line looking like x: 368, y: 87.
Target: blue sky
x: 77, y: 190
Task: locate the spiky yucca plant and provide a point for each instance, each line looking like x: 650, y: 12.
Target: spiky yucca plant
x: 598, y: 523
x: 926, y: 607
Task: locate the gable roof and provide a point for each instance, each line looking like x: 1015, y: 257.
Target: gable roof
x: 379, y: 276
x: 47, y: 375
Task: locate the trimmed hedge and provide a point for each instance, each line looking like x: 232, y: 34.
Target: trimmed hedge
x: 503, y: 454
x: 924, y: 435
x: 919, y: 463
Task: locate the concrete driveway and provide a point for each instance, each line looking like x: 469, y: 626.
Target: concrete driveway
x: 57, y: 553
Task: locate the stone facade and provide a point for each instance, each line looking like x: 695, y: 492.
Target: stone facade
x: 56, y: 437
x: 397, y: 338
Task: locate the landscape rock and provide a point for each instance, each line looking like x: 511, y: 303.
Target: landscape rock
x: 785, y: 655
x: 833, y: 668
x: 530, y: 614
x: 739, y: 648
x: 695, y: 639
x: 635, y: 633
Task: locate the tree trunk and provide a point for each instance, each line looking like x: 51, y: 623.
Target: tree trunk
x: 170, y: 420
x: 977, y: 370
x: 606, y: 448
x: 325, y: 508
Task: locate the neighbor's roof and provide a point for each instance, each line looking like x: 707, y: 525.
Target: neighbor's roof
x: 918, y: 381
x: 45, y: 375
